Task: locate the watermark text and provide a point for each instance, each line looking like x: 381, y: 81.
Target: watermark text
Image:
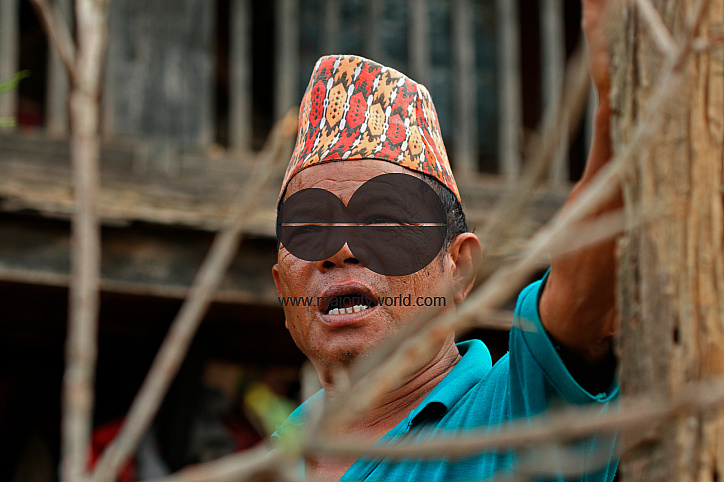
x: 339, y: 301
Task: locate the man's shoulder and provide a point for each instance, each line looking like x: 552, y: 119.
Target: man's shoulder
x: 300, y: 416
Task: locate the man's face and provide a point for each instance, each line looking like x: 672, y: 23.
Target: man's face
x: 336, y: 339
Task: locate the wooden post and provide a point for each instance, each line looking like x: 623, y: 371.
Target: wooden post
x: 671, y: 268
x: 465, y: 141
x: 287, y: 57
x: 9, y: 21
x: 240, y: 125
x: 374, y: 42
x: 420, y: 41
x: 331, y: 27
x: 58, y: 86
x: 511, y: 108
x: 553, y: 56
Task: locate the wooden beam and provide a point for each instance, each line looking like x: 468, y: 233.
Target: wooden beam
x: 240, y: 63
x: 287, y: 57
x: 553, y: 56
x: 34, y: 176
x: 137, y: 259
x: 465, y: 140
x: 9, y: 53
x: 511, y: 104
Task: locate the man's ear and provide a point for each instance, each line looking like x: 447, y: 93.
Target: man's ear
x: 275, y: 274
x: 465, y: 252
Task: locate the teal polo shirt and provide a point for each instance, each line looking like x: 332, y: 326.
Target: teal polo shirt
x: 528, y: 380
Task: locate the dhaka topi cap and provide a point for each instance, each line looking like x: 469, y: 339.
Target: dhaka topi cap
x: 355, y: 108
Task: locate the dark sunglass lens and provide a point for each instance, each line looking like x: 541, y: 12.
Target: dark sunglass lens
x: 396, y: 250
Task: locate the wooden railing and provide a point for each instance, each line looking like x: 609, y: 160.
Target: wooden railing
x: 462, y: 138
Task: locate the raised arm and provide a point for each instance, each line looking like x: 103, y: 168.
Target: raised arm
x: 578, y: 307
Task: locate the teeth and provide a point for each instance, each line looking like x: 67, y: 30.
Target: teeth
x: 352, y: 309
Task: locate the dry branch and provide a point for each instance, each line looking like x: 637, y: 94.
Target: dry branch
x: 660, y: 34
x: 259, y: 463
x: 84, y: 67
x: 176, y: 344
x: 59, y: 33
x: 542, y: 149
x: 569, y: 424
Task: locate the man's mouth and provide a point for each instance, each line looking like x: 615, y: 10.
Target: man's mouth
x: 349, y: 303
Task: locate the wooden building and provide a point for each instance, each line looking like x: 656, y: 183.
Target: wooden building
x: 191, y: 92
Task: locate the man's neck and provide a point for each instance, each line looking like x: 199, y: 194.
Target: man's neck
x: 397, y: 404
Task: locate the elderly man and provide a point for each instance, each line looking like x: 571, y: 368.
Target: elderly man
x: 369, y: 213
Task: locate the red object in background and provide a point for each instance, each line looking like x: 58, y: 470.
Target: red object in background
x: 243, y: 433
x: 103, y: 435
x: 30, y: 114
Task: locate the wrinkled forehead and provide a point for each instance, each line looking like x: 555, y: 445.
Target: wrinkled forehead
x: 343, y: 178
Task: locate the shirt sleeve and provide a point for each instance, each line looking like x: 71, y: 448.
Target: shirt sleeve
x: 538, y: 376
x: 539, y: 381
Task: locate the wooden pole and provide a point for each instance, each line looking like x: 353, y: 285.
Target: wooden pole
x: 511, y: 104
x: 374, y: 30
x: 85, y: 68
x: 553, y: 56
x: 58, y: 86
x: 9, y: 21
x: 287, y: 56
x: 240, y: 131
x: 465, y: 140
x: 331, y: 26
x: 420, y: 55
x: 671, y: 269
x: 83, y: 305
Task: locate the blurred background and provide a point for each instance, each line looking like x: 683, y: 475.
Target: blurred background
x: 192, y: 91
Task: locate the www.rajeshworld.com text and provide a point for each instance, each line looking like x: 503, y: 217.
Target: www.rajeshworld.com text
x: 399, y: 300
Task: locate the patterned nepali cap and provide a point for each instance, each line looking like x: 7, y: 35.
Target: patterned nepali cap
x: 355, y: 109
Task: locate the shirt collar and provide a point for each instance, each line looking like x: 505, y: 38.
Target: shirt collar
x: 472, y: 367
x: 469, y: 370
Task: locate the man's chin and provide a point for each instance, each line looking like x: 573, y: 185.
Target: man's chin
x: 342, y: 358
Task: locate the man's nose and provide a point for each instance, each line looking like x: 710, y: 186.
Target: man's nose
x: 341, y: 258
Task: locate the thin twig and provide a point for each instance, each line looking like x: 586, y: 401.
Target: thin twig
x: 175, y: 345
x: 58, y: 31
x: 661, y: 35
x: 542, y: 147
x: 254, y: 464
x: 84, y: 69
x: 568, y: 424
x: 573, y: 239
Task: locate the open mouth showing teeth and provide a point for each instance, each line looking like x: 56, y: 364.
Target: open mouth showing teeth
x: 351, y: 303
